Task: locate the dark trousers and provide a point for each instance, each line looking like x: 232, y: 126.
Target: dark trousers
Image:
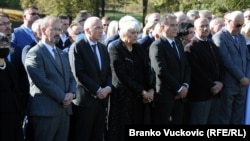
x: 88, y: 121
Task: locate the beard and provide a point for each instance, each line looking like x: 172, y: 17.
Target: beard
x: 55, y: 40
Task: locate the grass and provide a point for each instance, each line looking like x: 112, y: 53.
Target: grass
x: 116, y: 15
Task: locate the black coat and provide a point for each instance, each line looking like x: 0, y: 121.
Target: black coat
x: 131, y: 74
x: 206, y: 67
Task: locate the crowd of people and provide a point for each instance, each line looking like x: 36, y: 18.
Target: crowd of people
x: 87, y: 78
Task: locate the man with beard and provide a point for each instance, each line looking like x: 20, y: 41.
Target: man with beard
x: 5, y: 25
x: 52, y: 85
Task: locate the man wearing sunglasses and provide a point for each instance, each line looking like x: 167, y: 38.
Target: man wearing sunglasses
x: 21, y: 37
x: 236, y: 59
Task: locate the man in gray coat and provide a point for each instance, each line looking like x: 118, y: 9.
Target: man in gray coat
x: 51, y: 85
x: 236, y: 59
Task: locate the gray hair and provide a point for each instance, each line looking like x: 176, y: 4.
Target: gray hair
x: 165, y: 18
x: 128, y: 25
x: 46, y: 21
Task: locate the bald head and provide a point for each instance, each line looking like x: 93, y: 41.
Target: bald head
x: 93, y: 28
x: 235, y: 15
x: 90, y: 22
x: 235, y: 22
x: 216, y: 24
x: 154, y: 17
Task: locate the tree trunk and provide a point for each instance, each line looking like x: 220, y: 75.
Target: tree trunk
x: 103, y: 8
x: 144, y: 12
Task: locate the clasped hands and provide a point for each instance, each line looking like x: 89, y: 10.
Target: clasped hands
x: 182, y: 93
x: 67, y: 99
x: 217, y: 87
x: 148, y: 96
x: 102, y: 93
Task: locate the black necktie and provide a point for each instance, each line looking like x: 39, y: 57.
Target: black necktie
x: 57, y: 58
x: 176, y: 49
x: 95, y: 54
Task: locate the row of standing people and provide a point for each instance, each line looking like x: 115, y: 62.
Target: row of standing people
x: 131, y: 75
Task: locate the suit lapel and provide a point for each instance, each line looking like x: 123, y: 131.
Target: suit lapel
x: 50, y: 57
x: 242, y: 43
x: 170, y: 48
x: 93, y: 55
x: 231, y: 39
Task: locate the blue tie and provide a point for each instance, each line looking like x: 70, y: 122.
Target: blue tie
x: 236, y: 41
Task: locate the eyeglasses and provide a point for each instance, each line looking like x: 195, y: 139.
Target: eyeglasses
x: 56, y: 29
x: 105, y: 24
x: 238, y: 25
x: 33, y: 14
x: 5, y: 24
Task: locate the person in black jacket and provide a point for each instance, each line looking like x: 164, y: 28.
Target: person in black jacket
x: 11, y: 103
x: 131, y: 81
x: 171, y: 72
x: 206, y: 77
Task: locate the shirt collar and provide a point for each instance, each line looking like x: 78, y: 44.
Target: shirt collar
x: 169, y: 40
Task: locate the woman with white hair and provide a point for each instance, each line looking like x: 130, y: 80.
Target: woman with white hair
x: 131, y: 80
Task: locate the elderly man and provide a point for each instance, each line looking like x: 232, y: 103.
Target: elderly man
x: 236, y: 59
x: 52, y: 85
x: 206, y: 77
x: 93, y: 82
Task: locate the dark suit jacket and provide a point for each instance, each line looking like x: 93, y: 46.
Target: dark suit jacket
x: 171, y: 72
x: 124, y: 64
x: 48, y: 83
x: 86, y: 71
x: 146, y: 41
x: 17, y: 103
x: 111, y: 39
x: 248, y: 47
x: 62, y: 45
x: 206, y: 67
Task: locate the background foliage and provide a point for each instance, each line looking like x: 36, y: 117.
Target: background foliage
x: 118, y: 8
